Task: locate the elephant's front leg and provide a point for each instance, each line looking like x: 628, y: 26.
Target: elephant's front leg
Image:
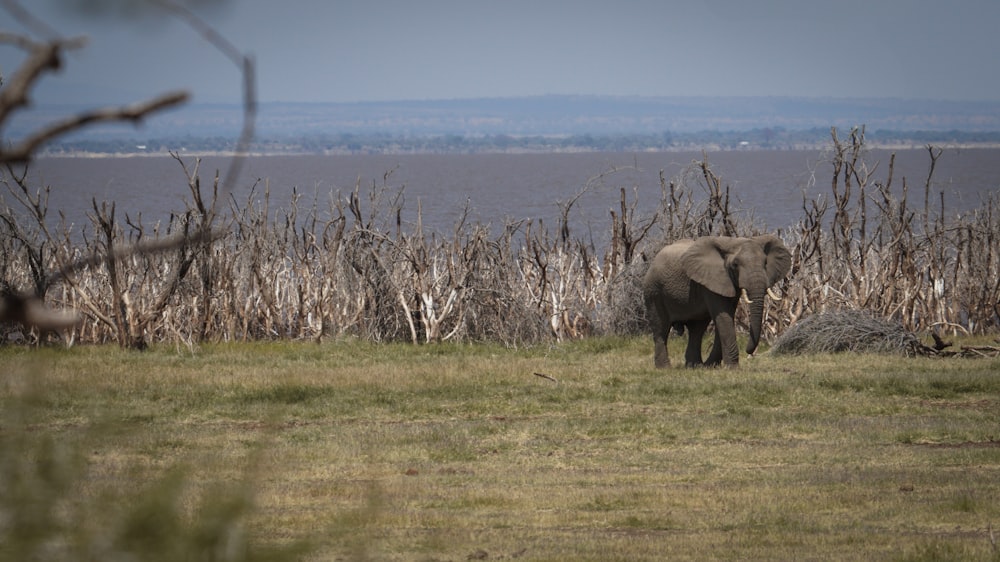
x: 696, y: 333
x: 725, y: 347
x: 715, y: 356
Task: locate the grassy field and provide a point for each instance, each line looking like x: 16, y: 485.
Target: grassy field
x: 454, y: 452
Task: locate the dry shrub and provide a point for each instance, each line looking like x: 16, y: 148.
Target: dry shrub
x: 308, y: 272
x: 847, y: 330
x: 868, y: 246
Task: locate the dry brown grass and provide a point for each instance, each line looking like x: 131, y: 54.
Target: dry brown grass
x: 396, y: 452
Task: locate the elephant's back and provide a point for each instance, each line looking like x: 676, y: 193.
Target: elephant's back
x: 671, y: 253
x: 665, y: 273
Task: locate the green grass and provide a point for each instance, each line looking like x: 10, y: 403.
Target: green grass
x: 400, y: 452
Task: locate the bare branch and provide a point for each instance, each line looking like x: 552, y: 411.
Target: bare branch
x: 42, y: 57
x: 546, y: 377
x: 144, y: 248
x: 247, y: 67
x: 27, y: 19
x: 47, y: 57
x: 23, y: 151
x: 31, y: 312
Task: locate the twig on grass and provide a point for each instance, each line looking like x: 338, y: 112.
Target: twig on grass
x: 980, y: 351
x: 546, y: 377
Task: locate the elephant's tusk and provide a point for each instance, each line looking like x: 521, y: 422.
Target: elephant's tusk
x: 744, y: 297
x: 772, y: 294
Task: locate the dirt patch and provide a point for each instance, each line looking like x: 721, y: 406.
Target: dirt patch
x: 987, y: 405
x: 988, y: 444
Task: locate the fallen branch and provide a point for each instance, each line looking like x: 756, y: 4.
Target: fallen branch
x: 981, y: 350
x: 973, y: 351
x: 546, y: 377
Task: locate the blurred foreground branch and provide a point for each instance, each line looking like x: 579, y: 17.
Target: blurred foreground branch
x: 46, y: 55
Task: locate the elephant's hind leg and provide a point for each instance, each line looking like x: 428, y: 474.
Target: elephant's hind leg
x: 660, y: 358
x: 659, y: 323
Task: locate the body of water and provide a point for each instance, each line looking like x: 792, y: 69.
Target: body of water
x: 500, y: 187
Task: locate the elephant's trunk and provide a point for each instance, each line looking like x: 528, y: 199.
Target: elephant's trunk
x: 756, y: 319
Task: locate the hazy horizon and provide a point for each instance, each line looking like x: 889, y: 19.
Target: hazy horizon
x: 543, y: 116
x: 390, y: 50
x: 422, y: 66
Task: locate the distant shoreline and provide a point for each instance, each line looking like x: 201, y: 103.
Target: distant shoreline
x: 708, y: 149
x: 541, y: 124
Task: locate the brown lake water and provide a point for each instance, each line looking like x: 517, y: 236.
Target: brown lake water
x: 498, y: 187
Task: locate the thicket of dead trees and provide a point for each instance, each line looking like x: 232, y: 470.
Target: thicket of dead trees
x: 44, y: 51
x: 223, y: 269
x: 309, y: 270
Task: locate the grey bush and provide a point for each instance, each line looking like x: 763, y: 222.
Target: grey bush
x: 847, y: 330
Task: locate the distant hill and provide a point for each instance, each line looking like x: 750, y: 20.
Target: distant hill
x: 562, y: 115
x: 668, y: 119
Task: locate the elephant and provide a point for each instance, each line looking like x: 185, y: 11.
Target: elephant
x: 691, y: 283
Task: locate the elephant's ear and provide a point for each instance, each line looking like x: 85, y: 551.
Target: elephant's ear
x: 779, y: 260
x: 705, y: 263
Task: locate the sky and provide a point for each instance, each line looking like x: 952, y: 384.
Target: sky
x: 379, y: 50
